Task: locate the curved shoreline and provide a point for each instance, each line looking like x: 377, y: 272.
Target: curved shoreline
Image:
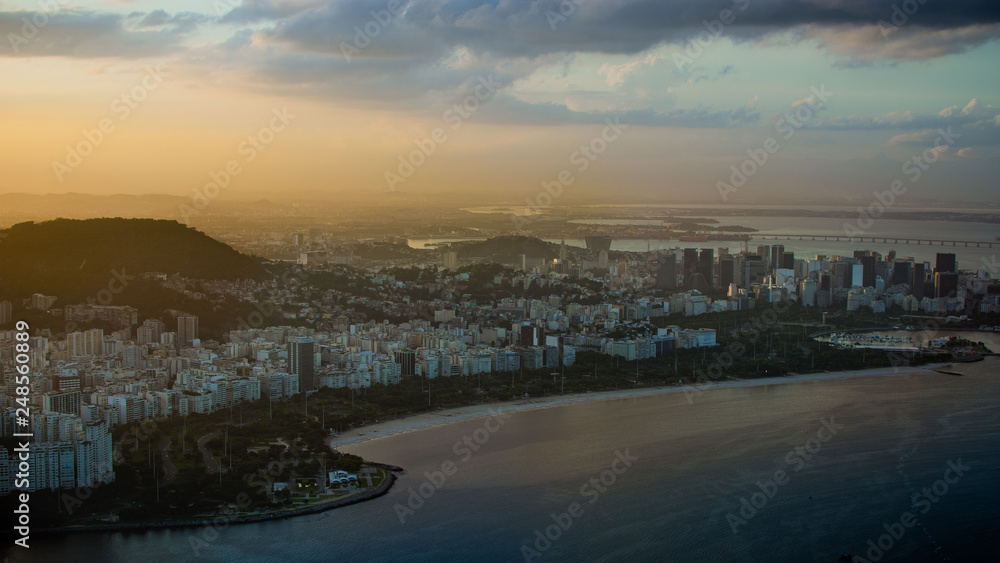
x: 413, y: 423
x: 425, y: 421
x: 381, y: 490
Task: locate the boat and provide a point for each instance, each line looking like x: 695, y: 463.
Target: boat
x: 692, y: 239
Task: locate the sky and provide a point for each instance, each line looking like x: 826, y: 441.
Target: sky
x: 715, y: 101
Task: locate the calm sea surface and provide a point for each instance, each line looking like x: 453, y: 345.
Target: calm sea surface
x: 691, y: 465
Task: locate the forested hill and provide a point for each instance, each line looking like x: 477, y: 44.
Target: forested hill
x: 73, y: 258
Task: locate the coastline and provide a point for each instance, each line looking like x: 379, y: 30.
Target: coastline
x: 413, y: 423
x: 423, y: 421
x: 378, y: 491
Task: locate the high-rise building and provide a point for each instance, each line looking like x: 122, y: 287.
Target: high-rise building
x: 407, y: 360
x: 755, y: 268
x: 705, y: 262
x: 690, y: 261
x: 666, y: 273
x: 187, y: 330
x: 764, y: 251
x: 945, y: 284
x: 777, y: 254
x: 807, y: 292
x: 726, y: 273
x: 901, y: 272
x: 68, y: 380
x: 825, y: 282
x: 150, y: 332
x: 945, y: 263
x: 868, y: 271
x: 788, y: 260
x: 917, y: 281
x: 67, y: 402
x: 301, y: 362
x: 86, y: 343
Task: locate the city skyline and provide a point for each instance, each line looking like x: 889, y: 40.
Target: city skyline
x: 500, y: 280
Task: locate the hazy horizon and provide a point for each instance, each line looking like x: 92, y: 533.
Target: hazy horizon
x: 849, y: 92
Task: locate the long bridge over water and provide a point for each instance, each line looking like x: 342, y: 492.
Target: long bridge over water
x: 876, y: 239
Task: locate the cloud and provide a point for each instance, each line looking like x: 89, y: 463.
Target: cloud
x: 510, y: 110
x: 616, y: 74
x: 862, y: 45
x: 87, y: 34
x: 915, y: 138
x: 970, y: 107
x: 973, y: 115
x: 250, y: 11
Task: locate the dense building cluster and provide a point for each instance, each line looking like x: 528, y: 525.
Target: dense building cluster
x: 89, y: 381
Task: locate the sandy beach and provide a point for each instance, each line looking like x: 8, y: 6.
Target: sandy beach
x: 448, y: 416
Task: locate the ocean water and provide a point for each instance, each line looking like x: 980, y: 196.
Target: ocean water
x: 690, y: 465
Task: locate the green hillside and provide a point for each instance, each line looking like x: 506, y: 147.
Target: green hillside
x: 73, y: 259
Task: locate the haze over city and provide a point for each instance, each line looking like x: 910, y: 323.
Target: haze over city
x: 499, y: 280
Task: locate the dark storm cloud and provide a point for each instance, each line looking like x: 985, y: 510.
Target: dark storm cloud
x: 523, y: 29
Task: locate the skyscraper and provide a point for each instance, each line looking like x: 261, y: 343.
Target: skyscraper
x: 725, y: 272
x: 945, y: 263
x: 777, y: 254
x: 301, y: 361
x: 788, y: 260
x: 868, y: 271
x: 705, y: 262
x: 901, y: 272
x: 187, y: 330
x: 945, y: 284
x: 917, y: 281
x: 690, y: 262
x: 666, y: 273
